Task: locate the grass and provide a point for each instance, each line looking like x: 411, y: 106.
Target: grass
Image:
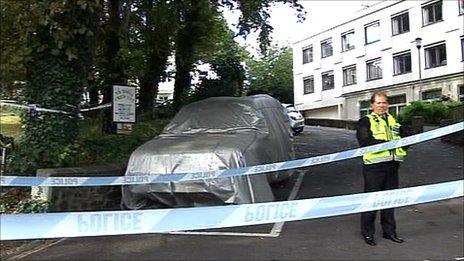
x: 10, y: 125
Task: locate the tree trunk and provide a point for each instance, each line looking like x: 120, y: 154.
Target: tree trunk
x: 114, y: 71
x: 185, y: 46
x: 54, y: 80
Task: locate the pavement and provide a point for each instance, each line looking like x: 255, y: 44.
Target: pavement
x: 433, y: 231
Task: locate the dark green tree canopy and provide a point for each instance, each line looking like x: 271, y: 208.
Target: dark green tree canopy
x: 272, y: 74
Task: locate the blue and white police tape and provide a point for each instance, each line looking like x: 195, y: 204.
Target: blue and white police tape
x: 34, y: 107
x: 82, y: 224
x: 103, y: 106
x: 178, y: 177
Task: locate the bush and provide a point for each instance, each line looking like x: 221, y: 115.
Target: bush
x: 432, y: 112
x: 92, y: 146
x: 20, y: 201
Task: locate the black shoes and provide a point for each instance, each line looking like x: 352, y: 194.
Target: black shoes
x: 369, y: 240
x: 393, y: 238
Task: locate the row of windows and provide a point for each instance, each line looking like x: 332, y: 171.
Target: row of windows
x: 398, y: 102
x: 435, y: 55
x: 431, y: 13
x: 395, y: 105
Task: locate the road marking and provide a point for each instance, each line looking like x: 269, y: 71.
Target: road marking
x: 35, y: 250
x: 277, y: 228
x: 275, y: 231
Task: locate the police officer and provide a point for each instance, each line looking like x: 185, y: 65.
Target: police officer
x: 380, y: 169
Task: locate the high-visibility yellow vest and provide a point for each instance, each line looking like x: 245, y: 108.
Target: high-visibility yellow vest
x: 387, y: 131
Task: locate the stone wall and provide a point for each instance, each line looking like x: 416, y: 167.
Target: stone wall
x: 81, y: 198
x: 344, y: 124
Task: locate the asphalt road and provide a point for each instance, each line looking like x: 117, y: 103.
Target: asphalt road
x: 432, y: 231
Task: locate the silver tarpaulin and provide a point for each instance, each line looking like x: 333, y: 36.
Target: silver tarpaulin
x: 212, y: 134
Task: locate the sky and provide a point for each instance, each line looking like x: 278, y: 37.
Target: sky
x: 320, y: 15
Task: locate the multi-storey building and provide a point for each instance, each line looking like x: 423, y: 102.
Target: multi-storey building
x: 412, y: 50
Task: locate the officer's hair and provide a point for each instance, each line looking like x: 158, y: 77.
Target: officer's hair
x: 378, y: 94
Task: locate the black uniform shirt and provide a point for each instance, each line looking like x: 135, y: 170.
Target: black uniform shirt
x: 364, y: 133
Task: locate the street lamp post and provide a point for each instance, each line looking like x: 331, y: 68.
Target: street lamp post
x: 419, y: 45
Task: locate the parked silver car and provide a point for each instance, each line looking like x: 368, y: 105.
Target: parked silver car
x: 212, y: 134
x: 297, y: 121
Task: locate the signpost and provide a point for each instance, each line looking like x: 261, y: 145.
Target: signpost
x: 123, y: 108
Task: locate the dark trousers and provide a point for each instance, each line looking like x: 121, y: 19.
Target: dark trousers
x: 377, y: 177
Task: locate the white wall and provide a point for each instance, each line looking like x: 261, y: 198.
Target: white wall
x: 449, y: 30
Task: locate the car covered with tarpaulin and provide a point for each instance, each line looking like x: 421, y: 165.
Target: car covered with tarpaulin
x: 212, y: 134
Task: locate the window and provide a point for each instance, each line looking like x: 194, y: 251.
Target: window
x: 400, y: 24
x: 372, y: 32
x: 348, y: 41
x: 462, y: 48
x: 308, y: 54
x: 431, y: 95
x: 308, y: 85
x: 461, y: 92
x: 402, y: 63
x: 396, y: 104
x: 435, y: 56
x: 432, y: 13
x: 349, y: 75
x: 327, y: 80
x: 461, y: 6
x: 365, y: 108
x: 326, y: 48
x: 374, y: 69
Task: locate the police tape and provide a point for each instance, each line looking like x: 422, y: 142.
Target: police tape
x: 103, y: 106
x: 178, y: 177
x: 35, y: 107
x: 104, y: 223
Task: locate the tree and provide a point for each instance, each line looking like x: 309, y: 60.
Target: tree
x: 156, y: 26
x: 59, y: 36
x: 112, y: 65
x: 195, y: 19
x: 272, y: 74
x: 14, y: 50
x: 225, y: 57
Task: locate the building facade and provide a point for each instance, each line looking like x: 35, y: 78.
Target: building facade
x: 412, y: 50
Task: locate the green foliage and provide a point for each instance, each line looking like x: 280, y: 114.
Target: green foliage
x: 225, y: 58
x: 453, y: 104
x: 197, y: 20
x: 157, y: 25
x: 95, y: 147
x: 56, y: 83
x: 20, y: 201
x: 432, y: 112
x: 91, y: 147
x: 47, y: 58
x: 61, y: 51
x: 255, y: 17
x: 272, y: 74
x: 17, y: 19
